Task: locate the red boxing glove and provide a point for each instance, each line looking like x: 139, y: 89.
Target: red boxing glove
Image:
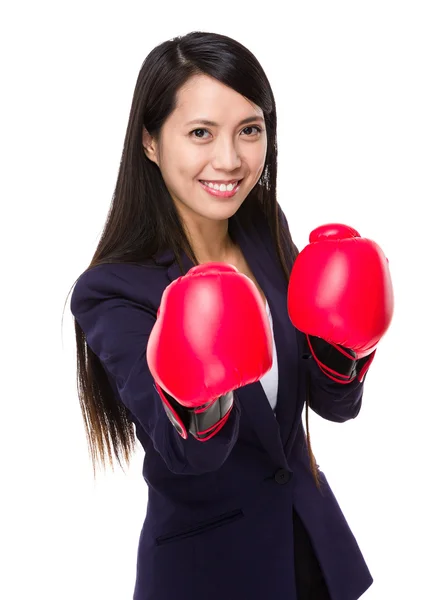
x: 212, y: 336
x: 340, y: 295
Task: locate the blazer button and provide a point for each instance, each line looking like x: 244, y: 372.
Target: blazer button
x: 282, y: 476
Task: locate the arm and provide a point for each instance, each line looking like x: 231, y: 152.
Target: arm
x: 332, y: 400
x: 117, y: 322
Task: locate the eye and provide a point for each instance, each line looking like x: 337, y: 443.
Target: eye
x: 253, y: 127
x: 194, y: 131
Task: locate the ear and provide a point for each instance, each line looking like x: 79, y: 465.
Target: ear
x: 150, y: 146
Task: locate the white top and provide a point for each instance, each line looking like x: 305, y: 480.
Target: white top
x: 270, y: 380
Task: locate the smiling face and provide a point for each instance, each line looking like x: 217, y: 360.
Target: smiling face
x: 191, y: 150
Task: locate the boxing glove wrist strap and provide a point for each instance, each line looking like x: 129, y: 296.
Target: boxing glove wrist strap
x: 202, y: 422
x: 337, y: 362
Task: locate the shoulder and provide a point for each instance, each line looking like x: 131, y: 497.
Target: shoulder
x: 131, y: 281
x: 263, y: 223
x: 284, y: 236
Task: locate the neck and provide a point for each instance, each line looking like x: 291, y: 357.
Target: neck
x: 223, y: 251
x: 211, y: 244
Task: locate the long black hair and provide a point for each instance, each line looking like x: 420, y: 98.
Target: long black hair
x: 142, y: 218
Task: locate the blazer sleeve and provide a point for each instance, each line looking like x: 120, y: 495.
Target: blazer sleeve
x: 333, y: 401
x: 116, y: 319
x: 338, y: 402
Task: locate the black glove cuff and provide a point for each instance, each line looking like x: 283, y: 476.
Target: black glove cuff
x: 343, y: 365
x: 201, y: 422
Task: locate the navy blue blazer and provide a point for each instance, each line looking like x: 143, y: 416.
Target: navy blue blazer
x: 219, y: 520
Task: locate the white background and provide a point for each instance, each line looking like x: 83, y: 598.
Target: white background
x: 360, y: 97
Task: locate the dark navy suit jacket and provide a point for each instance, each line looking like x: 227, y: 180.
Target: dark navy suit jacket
x: 219, y: 513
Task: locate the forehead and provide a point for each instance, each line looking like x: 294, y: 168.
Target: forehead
x: 205, y: 97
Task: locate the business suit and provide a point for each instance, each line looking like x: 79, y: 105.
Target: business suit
x: 219, y: 521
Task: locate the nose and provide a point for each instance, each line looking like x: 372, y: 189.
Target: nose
x: 226, y: 155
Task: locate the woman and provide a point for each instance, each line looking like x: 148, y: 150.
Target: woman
x: 243, y: 512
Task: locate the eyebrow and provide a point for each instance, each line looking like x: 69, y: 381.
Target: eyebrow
x: 214, y: 124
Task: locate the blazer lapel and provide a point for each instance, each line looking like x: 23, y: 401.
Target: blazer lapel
x: 263, y: 261
x: 273, y: 431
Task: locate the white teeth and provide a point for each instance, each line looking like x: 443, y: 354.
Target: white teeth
x: 222, y: 187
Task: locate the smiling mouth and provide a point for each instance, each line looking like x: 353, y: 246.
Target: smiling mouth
x: 216, y: 186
